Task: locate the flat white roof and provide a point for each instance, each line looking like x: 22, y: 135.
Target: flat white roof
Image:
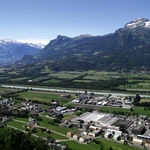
x: 87, y: 117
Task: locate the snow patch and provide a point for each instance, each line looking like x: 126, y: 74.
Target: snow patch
x: 5, y: 41
x: 139, y: 22
x: 147, y: 24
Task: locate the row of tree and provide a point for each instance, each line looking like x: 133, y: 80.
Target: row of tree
x: 111, y: 84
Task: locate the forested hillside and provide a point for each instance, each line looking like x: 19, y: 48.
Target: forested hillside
x: 125, y: 49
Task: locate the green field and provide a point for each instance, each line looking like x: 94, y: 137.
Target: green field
x: 40, y: 79
x: 45, y: 124
x: 19, y: 79
x: 23, y: 119
x: 44, y: 96
x: 18, y: 125
x: 82, y: 80
x: 145, y: 100
x: 53, y: 135
x: 107, y: 144
x: 7, y: 90
x: 38, y: 132
x: 94, y: 75
x: 53, y: 81
x: 67, y: 74
x: 136, y: 109
x: 54, y: 127
x: 136, y: 81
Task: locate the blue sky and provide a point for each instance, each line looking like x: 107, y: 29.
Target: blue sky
x: 43, y: 20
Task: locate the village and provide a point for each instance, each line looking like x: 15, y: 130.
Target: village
x: 89, y: 125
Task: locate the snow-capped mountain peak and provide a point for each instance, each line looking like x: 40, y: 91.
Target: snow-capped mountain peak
x: 8, y: 41
x: 139, y: 22
x: 5, y: 41
x: 38, y: 45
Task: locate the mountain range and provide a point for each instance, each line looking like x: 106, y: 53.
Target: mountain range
x: 11, y: 50
x: 126, y: 49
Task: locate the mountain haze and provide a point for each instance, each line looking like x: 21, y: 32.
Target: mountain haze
x: 11, y: 50
x: 125, y: 49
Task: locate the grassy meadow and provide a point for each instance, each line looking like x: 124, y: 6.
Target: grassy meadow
x: 107, y: 144
x: 45, y: 96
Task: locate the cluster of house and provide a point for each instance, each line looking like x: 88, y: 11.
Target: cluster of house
x: 60, y: 110
x: 6, y: 102
x: 5, y: 119
x: 114, y: 101
x: 29, y: 106
x: 93, y: 124
x: 57, y: 146
x: 32, y: 125
x: 77, y: 137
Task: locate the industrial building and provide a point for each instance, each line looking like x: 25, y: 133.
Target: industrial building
x: 104, y: 120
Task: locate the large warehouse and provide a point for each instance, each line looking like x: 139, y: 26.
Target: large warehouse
x: 103, y: 120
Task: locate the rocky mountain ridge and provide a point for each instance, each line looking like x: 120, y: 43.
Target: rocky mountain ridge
x: 12, y: 50
x: 125, y: 49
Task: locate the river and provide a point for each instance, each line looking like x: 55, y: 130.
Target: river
x: 70, y: 91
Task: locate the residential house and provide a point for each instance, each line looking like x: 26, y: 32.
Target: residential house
x: 82, y: 139
x: 75, y: 137
x: 69, y: 134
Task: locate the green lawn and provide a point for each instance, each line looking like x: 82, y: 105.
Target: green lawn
x: 95, y: 75
x: 7, y: 90
x: 53, y: 81
x: 141, y: 111
x: 115, y: 145
x: 19, y: 79
x: 67, y: 74
x: 82, y: 80
x: 44, y: 96
x: 43, y: 123
x: 57, y: 136
x: 136, y: 109
x: 106, y: 143
x: 54, y: 127
x: 23, y: 119
x: 38, y: 132
x: 46, y: 119
x: 145, y: 100
x: 78, y: 146
x: 40, y: 79
x: 18, y: 125
x: 53, y: 135
x: 44, y: 114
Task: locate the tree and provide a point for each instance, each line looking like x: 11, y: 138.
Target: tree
x: 101, y: 146
x: 110, y: 148
x: 85, y: 92
x: 11, y: 139
x: 130, y: 98
x: 136, y: 99
x: 131, y: 109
